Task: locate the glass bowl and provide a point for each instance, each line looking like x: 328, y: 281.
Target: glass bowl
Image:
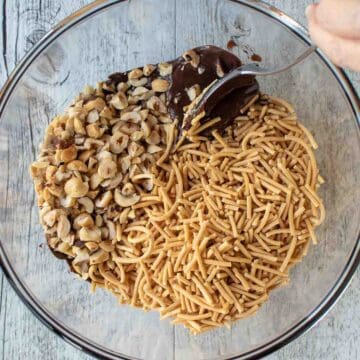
x: 110, y: 36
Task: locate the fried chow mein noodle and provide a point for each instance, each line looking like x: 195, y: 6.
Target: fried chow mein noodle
x: 226, y: 220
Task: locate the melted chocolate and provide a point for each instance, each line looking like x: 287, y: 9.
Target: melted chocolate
x: 118, y: 77
x: 214, y: 62
x: 229, y: 99
x: 184, y: 75
x: 231, y: 44
x: 256, y: 57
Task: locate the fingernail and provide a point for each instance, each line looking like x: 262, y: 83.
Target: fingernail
x: 309, y: 10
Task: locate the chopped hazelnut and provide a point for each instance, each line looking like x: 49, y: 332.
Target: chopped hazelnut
x: 76, y: 188
x: 160, y: 85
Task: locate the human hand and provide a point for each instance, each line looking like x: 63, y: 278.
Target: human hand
x: 334, y: 26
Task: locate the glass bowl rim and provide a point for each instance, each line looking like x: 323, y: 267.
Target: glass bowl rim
x: 76, y: 339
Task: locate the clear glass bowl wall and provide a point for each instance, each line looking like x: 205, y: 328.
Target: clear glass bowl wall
x: 128, y: 34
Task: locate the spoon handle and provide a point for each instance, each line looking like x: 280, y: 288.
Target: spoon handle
x: 252, y: 69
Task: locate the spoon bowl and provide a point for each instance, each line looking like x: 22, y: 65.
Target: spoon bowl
x: 241, y: 77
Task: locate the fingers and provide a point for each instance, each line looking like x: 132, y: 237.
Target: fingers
x: 343, y: 51
x: 340, y: 17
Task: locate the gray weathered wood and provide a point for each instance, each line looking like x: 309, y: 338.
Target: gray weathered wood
x: 21, y: 334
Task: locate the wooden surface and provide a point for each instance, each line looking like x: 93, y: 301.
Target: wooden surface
x: 22, y: 336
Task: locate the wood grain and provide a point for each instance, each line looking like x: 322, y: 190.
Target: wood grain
x: 22, y: 336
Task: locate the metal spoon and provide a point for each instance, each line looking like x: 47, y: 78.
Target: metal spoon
x: 220, y: 88
x: 254, y: 69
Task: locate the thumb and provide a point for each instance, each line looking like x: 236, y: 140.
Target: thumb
x: 340, y: 17
x: 344, y: 52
